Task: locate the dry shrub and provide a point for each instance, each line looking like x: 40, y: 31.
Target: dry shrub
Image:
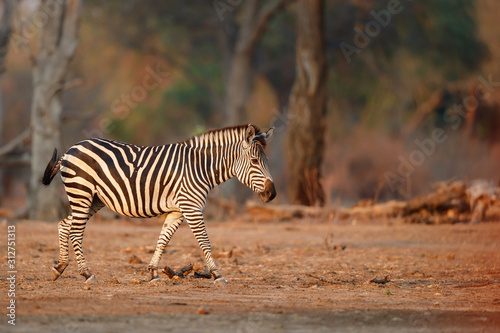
x: 372, y: 165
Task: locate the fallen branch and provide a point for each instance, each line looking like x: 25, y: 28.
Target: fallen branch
x: 324, y: 280
x: 380, y: 281
x: 202, y: 275
x: 473, y: 285
x: 182, y: 273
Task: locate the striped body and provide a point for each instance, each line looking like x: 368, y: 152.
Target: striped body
x: 131, y: 180
x: 138, y: 181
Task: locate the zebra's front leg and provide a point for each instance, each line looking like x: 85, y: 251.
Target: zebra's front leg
x: 172, y: 222
x: 195, y: 220
x: 63, y: 231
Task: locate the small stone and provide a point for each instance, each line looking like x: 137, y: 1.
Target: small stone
x: 135, y: 281
x: 134, y: 260
x: 203, y: 310
x: 114, y: 280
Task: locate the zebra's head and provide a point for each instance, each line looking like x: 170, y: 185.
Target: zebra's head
x: 252, y: 168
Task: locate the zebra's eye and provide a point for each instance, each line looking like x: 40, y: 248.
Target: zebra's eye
x: 254, y: 161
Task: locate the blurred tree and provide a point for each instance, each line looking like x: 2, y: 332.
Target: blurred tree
x: 238, y: 84
x: 187, y: 42
x: 307, y: 107
x: 210, y: 48
x: 409, y: 67
x: 57, y: 41
x: 398, y: 60
x: 240, y: 76
x: 276, y: 57
x: 6, y: 8
x: 406, y: 59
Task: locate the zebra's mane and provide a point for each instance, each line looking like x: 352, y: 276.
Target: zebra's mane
x: 211, y: 137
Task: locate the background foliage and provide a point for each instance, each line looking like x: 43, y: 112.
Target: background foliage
x: 395, y: 90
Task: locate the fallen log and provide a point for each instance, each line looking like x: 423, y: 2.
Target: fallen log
x: 446, y: 196
x: 450, y: 202
x: 269, y: 213
x: 391, y: 208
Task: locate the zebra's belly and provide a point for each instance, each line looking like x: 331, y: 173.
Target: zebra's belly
x: 139, y: 208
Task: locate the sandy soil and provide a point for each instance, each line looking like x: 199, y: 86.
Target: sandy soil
x: 303, y: 276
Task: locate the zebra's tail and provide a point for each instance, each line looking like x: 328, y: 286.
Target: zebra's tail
x: 51, y: 169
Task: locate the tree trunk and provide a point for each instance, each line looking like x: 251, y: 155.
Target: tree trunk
x: 6, y: 6
x: 5, y: 29
x: 58, y: 39
x: 239, y: 79
x: 238, y: 88
x: 307, y: 108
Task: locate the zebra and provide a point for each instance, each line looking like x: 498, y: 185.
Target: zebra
x: 148, y: 181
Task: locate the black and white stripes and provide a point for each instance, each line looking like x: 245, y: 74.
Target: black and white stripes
x: 141, y: 181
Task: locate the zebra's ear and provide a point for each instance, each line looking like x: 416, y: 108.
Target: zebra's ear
x: 250, y: 134
x: 269, y: 134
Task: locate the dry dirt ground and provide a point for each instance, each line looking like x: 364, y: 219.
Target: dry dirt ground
x: 300, y: 276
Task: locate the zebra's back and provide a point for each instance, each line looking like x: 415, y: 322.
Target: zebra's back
x: 136, y: 181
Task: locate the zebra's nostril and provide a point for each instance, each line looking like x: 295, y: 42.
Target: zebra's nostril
x: 269, y: 192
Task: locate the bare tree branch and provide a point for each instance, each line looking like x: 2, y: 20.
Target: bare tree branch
x: 70, y: 27
x: 255, y: 22
x: 20, y: 160
x: 14, y: 143
x: 5, y: 30
x: 265, y: 15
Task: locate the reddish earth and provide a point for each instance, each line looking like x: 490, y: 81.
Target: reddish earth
x: 299, y: 276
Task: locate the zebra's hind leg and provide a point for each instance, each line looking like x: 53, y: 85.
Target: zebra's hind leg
x: 63, y: 230
x: 172, y: 222
x: 80, y: 218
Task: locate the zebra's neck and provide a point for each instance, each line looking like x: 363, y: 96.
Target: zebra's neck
x: 223, y: 148
x: 218, y: 137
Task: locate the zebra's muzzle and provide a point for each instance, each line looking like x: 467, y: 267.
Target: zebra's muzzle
x: 269, y: 191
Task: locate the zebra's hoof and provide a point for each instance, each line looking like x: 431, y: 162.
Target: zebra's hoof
x: 91, y: 280
x: 55, y: 274
x: 155, y: 280
x: 220, y: 281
